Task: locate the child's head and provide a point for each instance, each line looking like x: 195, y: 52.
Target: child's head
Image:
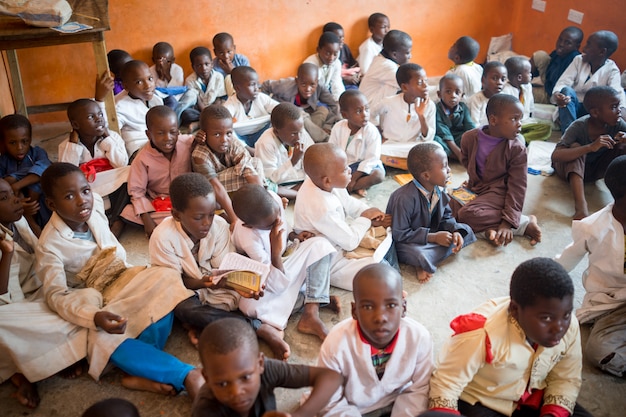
x: 137, y: 80
x: 542, y: 295
x: 262, y: 214
x: 68, y: 194
x: 201, y: 62
x: 355, y: 109
x: 326, y: 164
x: 494, y: 77
x: 600, y: 46
x: 464, y: 50
x: 504, y: 113
x: 288, y: 123
x: 428, y: 164
x: 328, y: 47
x: 11, y: 208
x: 450, y: 90
x: 378, y: 25
x: 378, y: 305
x: 117, y: 58
x: 614, y: 178
x: 163, y: 56
x: 232, y: 363
x: 86, y: 118
x: 603, y: 104
x: 397, y: 45
x: 224, y: 46
x: 307, y: 79
x: 246, y: 83
x: 217, y: 123
x: 518, y: 70
x: 15, y: 135
x: 412, y: 81
x: 337, y: 29
x: 569, y: 40
x: 193, y: 204
x: 112, y: 407
x: 162, y: 129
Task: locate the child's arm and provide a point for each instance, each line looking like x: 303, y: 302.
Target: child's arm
x: 40, y: 162
x: 276, y: 244
x: 223, y: 200
x: 138, y: 192
x: 583, y: 241
x: 70, y: 150
x: 6, y: 248
x: 427, y: 113
x: 114, y: 149
x: 324, y: 382
x: 565, y: 154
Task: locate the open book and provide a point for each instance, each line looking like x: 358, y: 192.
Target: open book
x: 241, y: 273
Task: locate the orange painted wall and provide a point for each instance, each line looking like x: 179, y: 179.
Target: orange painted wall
x: 278, y: 35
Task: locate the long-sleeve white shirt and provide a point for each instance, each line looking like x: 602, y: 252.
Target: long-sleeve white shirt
x: 364, y: 147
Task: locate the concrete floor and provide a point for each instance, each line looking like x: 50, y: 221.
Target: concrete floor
x: 477, y: 273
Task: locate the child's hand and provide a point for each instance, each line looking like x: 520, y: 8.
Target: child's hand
x: 298, y: 151
x: 304, y: 235
x: 104, y: 85
x: 602, y: 141
x: 110, y: 322
x: 251, y: 294
x: 31, y: 208
x: 385, y: 222
x: 562, y: 100
x: 457, y: 241
x: 6, y: 246
x: 227, y: 65
x: 441, y: 238
x: 163, y: 67
x: 276, y: 413
x: 200, y: 137
x: 620, y: 137
x: 373, y: 214
x: 285, y: 202
x: 74, y: 136
x: 420, y: 105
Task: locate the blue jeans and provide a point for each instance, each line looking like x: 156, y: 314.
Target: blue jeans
x: 572, y: 111
x: 318, y: 281
x: 144, y: 357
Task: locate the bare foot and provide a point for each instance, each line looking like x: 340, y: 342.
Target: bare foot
x: 310, y: 322
x: 143, y: 384
x: 274, y: 338
x: 26, y: 393
x: 533, y: 231
x: 193, y: 382
x: 334, y: 305
x: 192, y: 334
x: 74, y: 371
x: 361, y: 193
x: 422, y: 276
x: 491, y: 237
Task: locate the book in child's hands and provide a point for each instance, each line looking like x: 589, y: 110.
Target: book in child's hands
x: 241, y: 273
x: 462, y: 195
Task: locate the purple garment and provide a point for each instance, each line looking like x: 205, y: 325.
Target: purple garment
x: 118, y: 86
x: 486, y: 144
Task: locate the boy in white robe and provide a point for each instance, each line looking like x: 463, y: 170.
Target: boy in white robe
x: 385, y: 358
x: 262, y: 233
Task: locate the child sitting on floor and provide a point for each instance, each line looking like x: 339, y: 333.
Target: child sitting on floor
x: 592, y: 68
x: 378, y: 25
x: 249, y: 107
x: 495, y: 159
x: 518, y: 85
x: 493, y: 80
x: 360, y: 139
x: 35, y: 342
x: 222, y: 158
x: 117, y: 59
x: 132, y: 104
x: 406, y: 118
x: 281, y: 149
x: 227, y: 59
x: 194, y: 242
x: 601, y: 236
x: 453, y: 116
x: 462, y: 53
x: 590, y: 144
x: 262, y: 233
x: 424, y: 230
x: 350, y: 71
x: 384, y: 357
x: 205, y: 86
x: 380, y: 80
x: 324, y: 207
x: 129, y: 320
x: 22, y: 164
x: 320, y: 109
x: 167, y: 155
x: 234, y: 360
x: 326, y: 59
x: 168, y: 76
x: 515, y: 356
